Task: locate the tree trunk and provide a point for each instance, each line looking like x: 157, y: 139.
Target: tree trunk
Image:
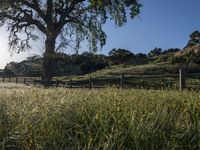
x: 48, y: 64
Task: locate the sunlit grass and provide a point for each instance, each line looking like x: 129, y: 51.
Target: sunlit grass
x: 99, y: 119
x: 147, y: 69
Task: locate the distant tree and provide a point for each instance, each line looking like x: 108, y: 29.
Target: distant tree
x: 1, y: 72
x: 87, y: 54
x: 197, y: 57
x: 155, y: 52
x: 34, y: 58
x: 120, y: 56
x: 193, y: 48
x: 86, y: 68
x: 184, y: 59
x: 190, y: 54
x: 171, y: 50
x: 140, y: 55
x: 62, y: 23
x: 89, y: 62
x: 194, y: 39
x: 77, y: 59
x: 180, y: 60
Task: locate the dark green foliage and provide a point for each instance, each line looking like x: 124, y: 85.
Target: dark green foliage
x: 120, y: 56
x: 191, y: 53
x: 141, y: 55
x: 194, y: 39
x: 159, y: 60
x: 171, y: 50
x: 197, y: 57
x: 63, y: 23
x: 177, y: 60
x: 1, y: 72
x: 89, y: 62
x: 64, y: 65
x: 155, y: 52
x: 25, y: 68
x: 86, y: 68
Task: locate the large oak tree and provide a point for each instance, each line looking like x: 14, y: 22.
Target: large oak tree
x: 63, y: 23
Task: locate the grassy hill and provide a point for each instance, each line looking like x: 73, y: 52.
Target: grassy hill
x: 147, y: 69
x: 195, y: 49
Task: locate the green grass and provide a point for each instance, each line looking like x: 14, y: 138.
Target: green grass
x: 119, y: 69
x: 147, y: 69
x: 149, y: 76
x: 99, y: 119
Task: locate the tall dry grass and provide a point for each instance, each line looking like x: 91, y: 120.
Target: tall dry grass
x: 99, y: 119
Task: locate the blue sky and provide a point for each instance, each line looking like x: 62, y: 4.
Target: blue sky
x: 162, y: 23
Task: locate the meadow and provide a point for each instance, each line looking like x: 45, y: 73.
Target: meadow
x: 58, y: 118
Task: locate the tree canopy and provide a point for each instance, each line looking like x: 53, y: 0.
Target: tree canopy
x: 155, y: 52
x: 62, y: 22
x: 194, y: 39
x: 120, y: 56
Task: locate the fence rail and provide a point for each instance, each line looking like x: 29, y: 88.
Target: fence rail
x: 176, y: 81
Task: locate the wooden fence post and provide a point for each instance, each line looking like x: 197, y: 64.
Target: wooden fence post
x: 16, y: 80
x: 24, y: 80
x: 182, y: 83
x: 90, y: 83
x: 57, y: 83
x: 3, y: 79
x: 122, y: 81
x: 70, y: 83
x: 34, y: 82
x: 9, y: 79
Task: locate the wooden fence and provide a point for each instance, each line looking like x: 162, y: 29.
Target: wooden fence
x: 171, y: 81
x: 20, y: 80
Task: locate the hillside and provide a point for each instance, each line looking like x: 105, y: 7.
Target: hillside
x: 192, y: 49
x: 147, y: 69
x: 117, y: 62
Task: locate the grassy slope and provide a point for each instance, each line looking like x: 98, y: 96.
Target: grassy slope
x: 99, y: 119
x: 148, y: 69
x: 129, y: 69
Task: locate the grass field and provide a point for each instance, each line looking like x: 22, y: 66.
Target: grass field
x: 117, y: 70
x: 109, y: 118
x: 147, y: 69
x: 149, y: 76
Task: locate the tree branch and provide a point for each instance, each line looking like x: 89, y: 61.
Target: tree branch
x: 35, y: 6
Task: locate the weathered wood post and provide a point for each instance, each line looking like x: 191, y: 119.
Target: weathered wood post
x: 122, y: 81
x: 24, y: 80
x: 16, y: 80
x: 34, y: 82
x: 3, y: 79
x: 70, y: 83
x: 57, y: 82
x: 182, y: 83
x: 9, y: 79
x: 90, y: 83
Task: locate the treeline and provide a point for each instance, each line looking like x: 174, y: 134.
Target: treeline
x: 79, y: 64
x: 76, y: 64
x: 158, y: 51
